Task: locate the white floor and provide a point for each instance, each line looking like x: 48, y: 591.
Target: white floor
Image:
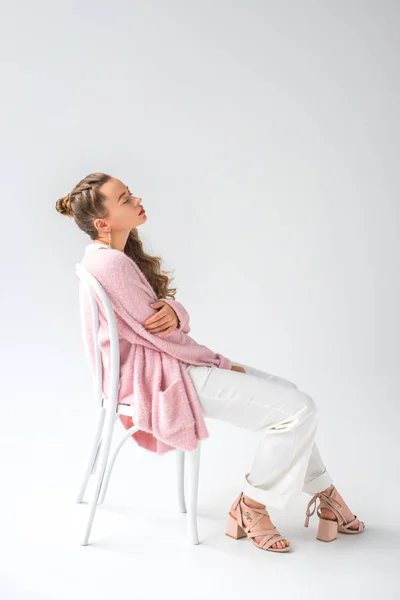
x: 139, y: 546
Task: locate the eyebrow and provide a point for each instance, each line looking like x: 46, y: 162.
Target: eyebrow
x: 127, y: 190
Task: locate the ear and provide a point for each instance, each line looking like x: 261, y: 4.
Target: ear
x: 100, y: 225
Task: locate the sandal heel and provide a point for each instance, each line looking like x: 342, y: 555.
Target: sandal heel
x: 327, y: 530
x: 234, y: 530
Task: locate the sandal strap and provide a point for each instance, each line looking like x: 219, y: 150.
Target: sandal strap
x: 352, y: 522
x: 326, y: 500
x: 272, y: 535
x: 270, y: 541
x: 262, y: 532
x: 251, y: 524
x: 239, y: 507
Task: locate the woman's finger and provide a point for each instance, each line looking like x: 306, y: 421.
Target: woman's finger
x: 169, y: 330
x: 160, y: 324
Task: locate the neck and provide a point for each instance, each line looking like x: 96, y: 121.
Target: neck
x: 118, y: 240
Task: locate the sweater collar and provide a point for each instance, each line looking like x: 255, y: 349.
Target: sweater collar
x: 94, y: 246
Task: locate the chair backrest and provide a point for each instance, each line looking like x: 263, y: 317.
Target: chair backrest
x: 89, y: 285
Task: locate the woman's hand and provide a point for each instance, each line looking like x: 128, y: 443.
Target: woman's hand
x: 237, y: 368
x: 165, y: 321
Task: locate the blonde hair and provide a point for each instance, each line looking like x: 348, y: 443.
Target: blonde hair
x: 85, y: 203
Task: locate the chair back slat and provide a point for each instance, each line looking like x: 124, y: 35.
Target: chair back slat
x: 91, y: 287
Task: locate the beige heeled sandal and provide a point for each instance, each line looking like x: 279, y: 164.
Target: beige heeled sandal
x: 236, y: 528
x: 327, y: 528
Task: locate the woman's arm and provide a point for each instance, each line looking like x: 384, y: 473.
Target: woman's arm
x: 131, y: 299
x: 181, y: 313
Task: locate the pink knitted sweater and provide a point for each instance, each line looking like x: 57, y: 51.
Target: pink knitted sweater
x: 153, y: 377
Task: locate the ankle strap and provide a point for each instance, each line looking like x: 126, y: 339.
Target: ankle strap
x: 326, y: 501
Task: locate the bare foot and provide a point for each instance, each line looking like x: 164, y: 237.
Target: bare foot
x: 264, y: 523
x: 347, y: 514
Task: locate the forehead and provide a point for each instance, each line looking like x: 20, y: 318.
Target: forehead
x: 113, y: 189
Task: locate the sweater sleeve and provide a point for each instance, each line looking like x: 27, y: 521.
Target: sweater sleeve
x: 131, y: 299
x: 181, y: 312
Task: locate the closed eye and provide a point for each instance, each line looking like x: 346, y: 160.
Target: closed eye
x: 130, y: 195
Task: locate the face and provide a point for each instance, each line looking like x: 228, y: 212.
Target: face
x: 123, y: 208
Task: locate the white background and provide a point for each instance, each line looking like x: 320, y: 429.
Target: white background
x: 263, y: 138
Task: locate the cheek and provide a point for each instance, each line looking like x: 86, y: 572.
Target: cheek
x: 125, y: 213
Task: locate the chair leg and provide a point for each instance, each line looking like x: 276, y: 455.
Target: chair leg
x: 104, y: 452
x: 192, y: 489
x: 96, y: 460
x: 94, y: 452
x: 110, y: 463
x: 180, y: 471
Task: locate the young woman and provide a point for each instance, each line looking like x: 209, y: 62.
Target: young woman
x: 287, y: 461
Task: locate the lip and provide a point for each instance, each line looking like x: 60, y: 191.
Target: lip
x: 142, y: 211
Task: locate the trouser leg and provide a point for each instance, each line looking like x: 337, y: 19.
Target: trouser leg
x: 287, y: 460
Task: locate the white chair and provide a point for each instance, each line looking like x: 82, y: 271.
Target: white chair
x: 108, y: 411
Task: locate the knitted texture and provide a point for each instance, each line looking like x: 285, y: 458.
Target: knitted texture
x: 153, y: 378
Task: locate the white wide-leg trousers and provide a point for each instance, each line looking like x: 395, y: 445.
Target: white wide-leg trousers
x: 287, y: 460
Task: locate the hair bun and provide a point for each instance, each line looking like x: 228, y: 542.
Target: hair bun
x: 63, y: 205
